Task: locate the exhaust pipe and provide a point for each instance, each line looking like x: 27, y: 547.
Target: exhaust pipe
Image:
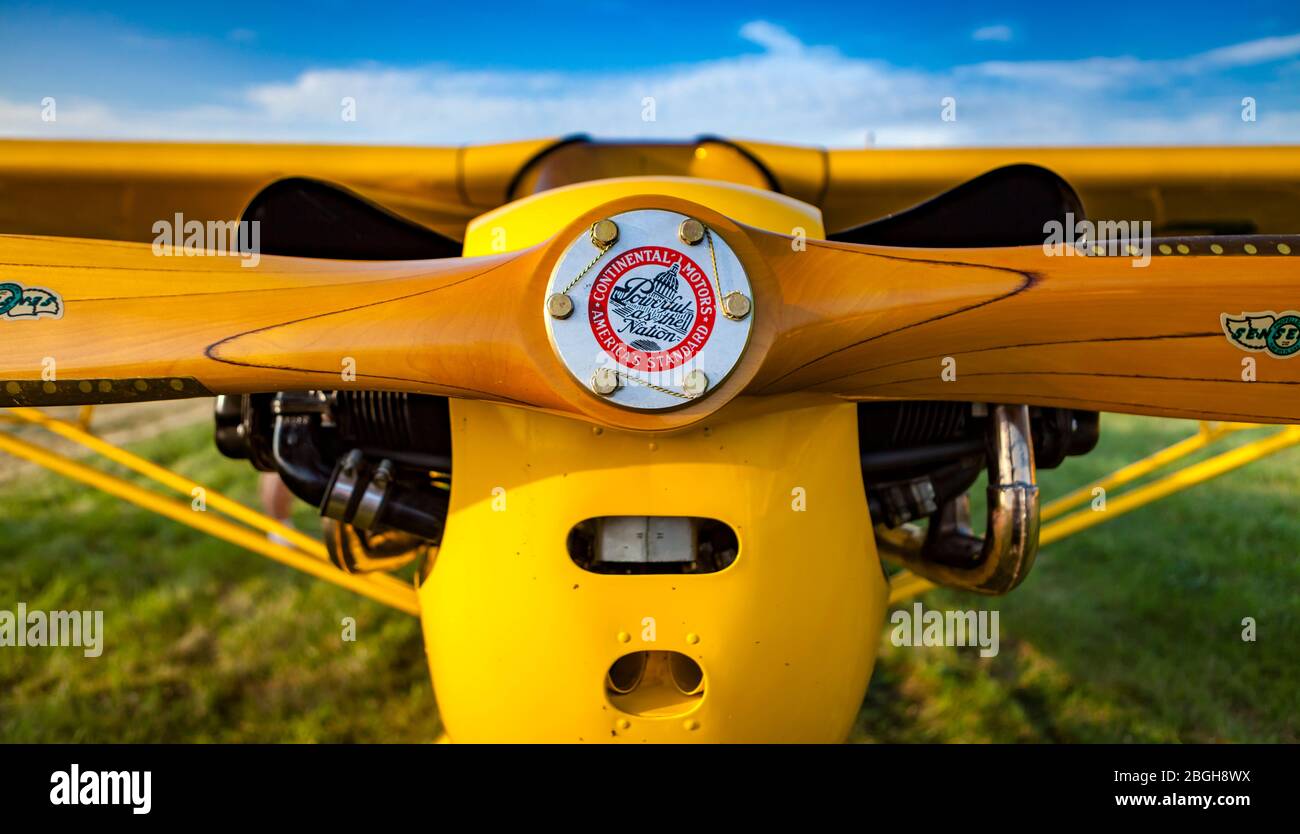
x: 949, y: 553
x: 366, y: 551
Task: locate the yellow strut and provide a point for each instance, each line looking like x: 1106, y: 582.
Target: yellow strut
x: 170, y: 479
x: 183, y: 485
x: 1209, y: 433
x: 905, y: 584
x: 1171, y: 483
x: 84, y: 415
x: 383, y: 589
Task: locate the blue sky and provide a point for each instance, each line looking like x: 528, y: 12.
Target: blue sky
x: 1020, y: 73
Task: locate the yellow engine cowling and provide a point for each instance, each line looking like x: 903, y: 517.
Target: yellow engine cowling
x: 521, y: 639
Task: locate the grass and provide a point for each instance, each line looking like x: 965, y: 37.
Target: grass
x: 204, y: 642
x: 1128, y: 632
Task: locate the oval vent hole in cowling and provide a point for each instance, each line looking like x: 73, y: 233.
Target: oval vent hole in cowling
x: 640, y: 545
x: 655, y: 684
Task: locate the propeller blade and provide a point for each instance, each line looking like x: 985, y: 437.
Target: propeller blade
x: 90, y: 321
x: 1016, y: 325
x: 1204, y: 330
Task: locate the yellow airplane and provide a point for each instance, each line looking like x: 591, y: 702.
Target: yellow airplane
x: 646, y: 415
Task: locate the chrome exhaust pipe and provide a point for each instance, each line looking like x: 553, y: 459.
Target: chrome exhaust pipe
x: 948, y: 553
x: 366, y: 551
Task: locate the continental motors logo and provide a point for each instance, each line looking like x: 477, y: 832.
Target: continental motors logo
x: 19, y: 302
x: 1277, y: 334
x: 652, y: 309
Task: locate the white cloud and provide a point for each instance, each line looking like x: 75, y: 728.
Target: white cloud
x: 1247, y: 54
x: 1101, y: 72
x: 999, y: 32
x: 789, y: 92
x: 771, y: 37
x: 1081, y: 74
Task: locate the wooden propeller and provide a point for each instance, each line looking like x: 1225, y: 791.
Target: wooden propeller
x: 853, y: 321
x: 136, y: 325
x: 1017, y: 325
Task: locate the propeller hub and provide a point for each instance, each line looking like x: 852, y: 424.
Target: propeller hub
x: 653, y: 317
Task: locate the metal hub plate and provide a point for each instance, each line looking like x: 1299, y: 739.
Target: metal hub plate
x: 648, y: 322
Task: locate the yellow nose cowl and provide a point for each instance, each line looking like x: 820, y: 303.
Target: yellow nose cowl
x: 525, y: 644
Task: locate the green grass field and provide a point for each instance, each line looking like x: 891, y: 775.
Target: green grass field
x: 1128, y: 632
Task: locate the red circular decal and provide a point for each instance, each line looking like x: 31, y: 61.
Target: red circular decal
x: 652, y: 308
